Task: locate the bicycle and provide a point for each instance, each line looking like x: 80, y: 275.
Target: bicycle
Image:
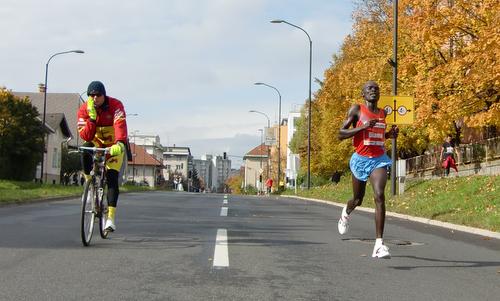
x: 93, y: 203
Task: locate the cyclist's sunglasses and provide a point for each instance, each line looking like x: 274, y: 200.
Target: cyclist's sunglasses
x: 95, y: 94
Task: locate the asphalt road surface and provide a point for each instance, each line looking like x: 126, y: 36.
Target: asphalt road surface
x: 182, y: 246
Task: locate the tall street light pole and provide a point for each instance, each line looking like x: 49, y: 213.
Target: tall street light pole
x: 310, y: 104
x: 279, y: 130
x: 260, y: 170
x: 45, y: 105
x: 268, y: 126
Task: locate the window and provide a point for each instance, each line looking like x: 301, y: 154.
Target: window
x: 55, y: 157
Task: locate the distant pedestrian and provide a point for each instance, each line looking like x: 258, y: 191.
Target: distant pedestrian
x: 447, y: 158
x: 82, y: 180
x: 269, y: 185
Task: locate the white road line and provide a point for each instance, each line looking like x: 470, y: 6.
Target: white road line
x: 223, y: 211
x: 225, y: 196
x: 221, y: 255
x: 224, y: 202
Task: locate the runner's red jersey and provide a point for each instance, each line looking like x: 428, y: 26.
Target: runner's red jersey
x: 370, y: 142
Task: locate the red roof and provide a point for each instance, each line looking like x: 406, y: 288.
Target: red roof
x: 141, y: 157
x: 258, y: 151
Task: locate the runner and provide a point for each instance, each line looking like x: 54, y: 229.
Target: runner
x: 369, y: 161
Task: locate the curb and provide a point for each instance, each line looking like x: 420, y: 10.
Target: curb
x: 422, y: 220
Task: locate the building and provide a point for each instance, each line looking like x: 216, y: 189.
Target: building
x: 58, y: 133
x: 292, y: 160
x: 213, y: 171
x: 60, y: 125
x: 205, y: 168
x: 177, y: 160
x: 151, y: 143
x: 65, y: 103
x: 255, y: 163
x: 145, y: 168
x: 223, y: 166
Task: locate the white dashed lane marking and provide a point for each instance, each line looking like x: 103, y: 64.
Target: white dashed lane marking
x: 223, y: 211
x: 221, y: 255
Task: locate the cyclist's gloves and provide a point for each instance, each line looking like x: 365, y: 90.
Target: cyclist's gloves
x: 91, y: 109
x: 116, y: 149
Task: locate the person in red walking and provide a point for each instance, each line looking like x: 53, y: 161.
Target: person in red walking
x: 447, y: 152
x: 269, y: 185
x: 366, y: 124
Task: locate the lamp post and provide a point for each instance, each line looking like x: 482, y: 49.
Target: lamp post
x: 279, y: 130
x: 45, y: 105
x: 134, y: 153
x: 260, y: 170
x: 309, y: 110
x: 268, y: 126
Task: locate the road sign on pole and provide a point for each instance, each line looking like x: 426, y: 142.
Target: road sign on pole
x: 398, y: 109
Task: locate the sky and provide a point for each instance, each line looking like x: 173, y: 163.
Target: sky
x: 184, y: 69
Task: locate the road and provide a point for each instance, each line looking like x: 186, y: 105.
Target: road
x: 182, y: 246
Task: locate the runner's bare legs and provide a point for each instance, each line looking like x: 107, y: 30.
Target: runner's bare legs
x: 378, y: 179
x: 358, y: 191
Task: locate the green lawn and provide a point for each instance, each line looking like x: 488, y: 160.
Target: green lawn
x: 13, y: 191
x: 472, y: 201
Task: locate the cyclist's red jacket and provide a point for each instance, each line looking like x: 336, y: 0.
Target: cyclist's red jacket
x: 109, y: 127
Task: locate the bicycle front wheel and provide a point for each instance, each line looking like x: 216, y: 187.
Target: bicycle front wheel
x: 88, y: 212
x: 103, y: 217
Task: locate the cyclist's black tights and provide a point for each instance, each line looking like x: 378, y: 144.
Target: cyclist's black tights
x: 111, y: 176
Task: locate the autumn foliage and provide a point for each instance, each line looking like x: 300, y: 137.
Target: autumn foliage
x: 448, y: 52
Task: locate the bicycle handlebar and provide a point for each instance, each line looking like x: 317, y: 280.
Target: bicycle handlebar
x: 95, y: 149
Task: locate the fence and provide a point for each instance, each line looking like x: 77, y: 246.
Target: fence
x: 472, y: 158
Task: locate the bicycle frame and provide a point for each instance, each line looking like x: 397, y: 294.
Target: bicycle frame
x: 94, y: 194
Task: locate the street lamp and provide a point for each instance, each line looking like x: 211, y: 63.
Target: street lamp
x: 260, y: 170
x: 309, y: 111
x: 134, y: 153
x: 279, y: 130
x: 268, y: 126
x: 45, y: 104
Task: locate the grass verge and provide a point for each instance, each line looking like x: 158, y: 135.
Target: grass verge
x: 14, y: 191
x: 471, y: 201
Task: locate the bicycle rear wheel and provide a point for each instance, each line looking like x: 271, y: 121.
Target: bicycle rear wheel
x: 88, y: 212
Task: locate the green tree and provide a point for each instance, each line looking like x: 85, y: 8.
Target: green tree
x: 70, y: 162
x: 195, y: 179
x: 21, y: 137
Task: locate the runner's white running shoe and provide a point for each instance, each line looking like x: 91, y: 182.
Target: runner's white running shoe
x: 110, y: 225
x: 381, y: 251
x: 343, y: 222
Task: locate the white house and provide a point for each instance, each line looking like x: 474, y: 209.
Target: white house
x: 58, y: 133
x: 144, y: 168
x: 255, y: 163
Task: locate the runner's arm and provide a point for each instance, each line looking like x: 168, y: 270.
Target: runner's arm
x: 351, y: 120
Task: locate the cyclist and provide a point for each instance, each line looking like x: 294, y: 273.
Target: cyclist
x: 102, y: 123
x: 369, y: 160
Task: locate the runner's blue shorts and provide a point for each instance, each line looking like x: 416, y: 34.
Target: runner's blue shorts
x: 362, y: 167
